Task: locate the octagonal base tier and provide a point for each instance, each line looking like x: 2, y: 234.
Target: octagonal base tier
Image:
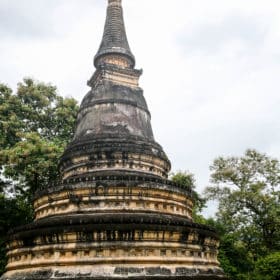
x: 114, y: 194
x: 113, y: 246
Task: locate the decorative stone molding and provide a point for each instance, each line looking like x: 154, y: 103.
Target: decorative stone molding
x: 114, y: 215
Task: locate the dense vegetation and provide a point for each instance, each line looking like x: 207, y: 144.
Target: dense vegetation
x: 248, y: 218
x: 35, y: 126
x: 247, y: 189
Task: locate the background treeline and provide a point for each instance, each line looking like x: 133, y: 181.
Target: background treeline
x: 35, y: 126
x: 247, y: 189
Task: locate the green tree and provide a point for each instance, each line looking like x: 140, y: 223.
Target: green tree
x: 268, y: 267
x: 186, y: 179
x: 248, y: 191
x: 35, y: 126
x: 234, y: 258
x: 13, y: 212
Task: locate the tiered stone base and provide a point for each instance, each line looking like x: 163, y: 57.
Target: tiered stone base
x: 113, y: 228
x: 119, y: 246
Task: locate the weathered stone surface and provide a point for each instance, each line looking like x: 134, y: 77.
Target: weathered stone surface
x: 199, y: 275
x: 114, y: 215
x: 114, y: 39
x: 112, y: 154
x: 110, y: 105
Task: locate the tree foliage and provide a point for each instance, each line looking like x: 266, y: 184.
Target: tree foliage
x: 35, y: 126
x: 248, y: 191
x: 13, y: 212
x: 187, y: 179
x: 268, y: 267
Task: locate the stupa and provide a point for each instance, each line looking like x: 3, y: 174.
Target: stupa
x: 115, y: 214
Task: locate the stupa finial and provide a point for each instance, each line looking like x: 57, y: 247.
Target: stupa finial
x: 114, y: 41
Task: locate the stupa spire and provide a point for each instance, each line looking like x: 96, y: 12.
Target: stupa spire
x: 115, y: 215
x: 114, y: 41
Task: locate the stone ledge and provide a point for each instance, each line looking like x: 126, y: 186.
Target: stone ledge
x: 131, y: 179
x: 123, y: 272
x: 108, y: 221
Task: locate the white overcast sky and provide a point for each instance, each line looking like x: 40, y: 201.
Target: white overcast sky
x: 211, y: 67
